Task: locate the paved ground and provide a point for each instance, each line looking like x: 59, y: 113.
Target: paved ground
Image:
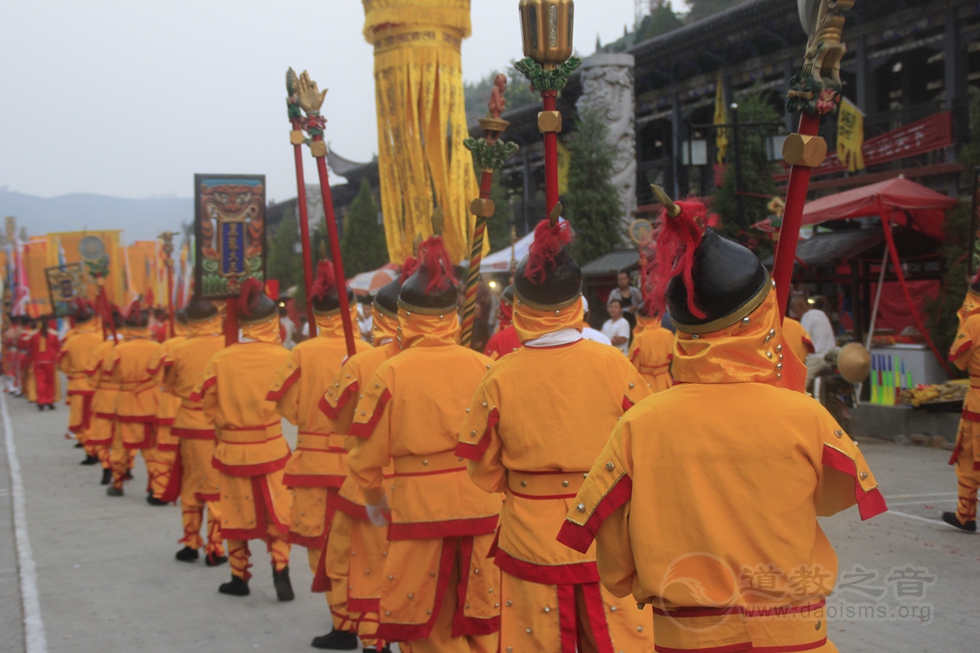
x: 108, y: 582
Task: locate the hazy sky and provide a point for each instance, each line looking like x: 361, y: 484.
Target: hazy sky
x: 131, y: 98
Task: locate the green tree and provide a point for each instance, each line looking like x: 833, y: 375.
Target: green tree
x: 592, y: 203
x: 757, y: 169
x: 659, y: 21
x: 283, y: 264
x: 363, y: 244
x: 498, y: 227
x: 941, y: 320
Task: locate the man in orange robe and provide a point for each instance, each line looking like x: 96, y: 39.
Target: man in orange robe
x: 105, y: 383
x: 355, y: 546
x: 85, y: 337
x: 27, y: 385
x: 440, y: 592
x: 538, y: 452
x: 167, y: 444
x: 317, y: 467
x: 45, y: 347
x: 251, y: 453
x: 717, y: 529
x: 136, y: 362
x: 506, y: 339
x: 965, y: 354
x: 193, y: 478
x: 652, y: 350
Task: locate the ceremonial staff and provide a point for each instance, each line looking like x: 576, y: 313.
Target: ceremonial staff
x: 546, y: 28
x: 297, y: 138
x: 814, y: 92
x: 489, y: 153
x: 168, y: 262
x: 99, y: 270
x: 311, y: 99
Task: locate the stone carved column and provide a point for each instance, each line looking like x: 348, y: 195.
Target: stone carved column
x: 607, y: 87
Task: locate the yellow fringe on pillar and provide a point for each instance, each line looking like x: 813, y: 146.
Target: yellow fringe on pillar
x: 422, y: 120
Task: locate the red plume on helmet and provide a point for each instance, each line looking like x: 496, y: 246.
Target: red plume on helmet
x: 133, y: 311
x: 149, y: 299
x: 435, y: 259
x: 409, y: 267
x: 252, y: 290
x: 326, y: 280
x: 548, y: 242
x: 679, y: 236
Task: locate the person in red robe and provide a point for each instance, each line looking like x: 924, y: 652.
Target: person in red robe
x: 44, y: 348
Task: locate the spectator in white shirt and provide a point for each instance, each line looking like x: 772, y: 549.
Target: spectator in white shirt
x: 818, y: 326
x: 588, y: 332
x: 616, y: 328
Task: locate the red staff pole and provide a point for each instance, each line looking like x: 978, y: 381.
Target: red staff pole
x: 304, y: 234
x: 789, y: 232
x: 170, y: 295
x: 231, y: 321
x: 476, y: 258
x: 297, y: 138
x: 310, y: 99
x: 338, y: 262
x: 550, y: 156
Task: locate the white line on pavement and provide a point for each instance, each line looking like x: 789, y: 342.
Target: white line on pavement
x: 927, y: 494
x: 34, y: 636
x: 899, y: 513
x: 921, y: 502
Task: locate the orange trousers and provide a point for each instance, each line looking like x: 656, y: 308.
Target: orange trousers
x: 967, y: 474
x: 354, y: 563
x: 239, y: 555
x: 199, y: 489
x: 121, y: 458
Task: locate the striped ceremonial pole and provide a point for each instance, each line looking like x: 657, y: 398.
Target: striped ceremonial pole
x: 297, y: 138
x: 489, y: 154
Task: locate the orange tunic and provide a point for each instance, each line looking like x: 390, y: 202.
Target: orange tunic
x: 251, y: 451
x: 169, y: 402
x: 137, y: 361
x: 744, y: 548
x: 105, y: 383
x: 410, y: 414
x: 651, y: 353
x: 797, y: 339
x: 535, y: 426
x: 965, y: 354
x: 319, y: 461
x: 75, y: 354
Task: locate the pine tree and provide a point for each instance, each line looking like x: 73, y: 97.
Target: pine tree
x: 704, y: 8
x: 283, y: 264
x: 757, y: 170
x: 592, y: 203
x: 363, y: 244
x: 660, y: 20
x: 498, y: 227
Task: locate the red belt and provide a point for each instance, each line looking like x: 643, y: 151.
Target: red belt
x: 970, y: 416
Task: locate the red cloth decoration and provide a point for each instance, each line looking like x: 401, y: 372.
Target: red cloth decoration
x: 434, y: 257
x: 678, y: 239
x: 409, y: 267
x: 548, y: 241
x: 133, y: 311
x: 326, y: 280
x: 251, y: 292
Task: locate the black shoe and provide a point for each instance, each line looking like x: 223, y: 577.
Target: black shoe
x: 187, y: 554
x: 128, y: 476
x: 284, y: 589
x: 40, y: 407
x: 237, y: 587
x: 336, y: 640
x: 951, y: 519
x: 212, y: 560
x: 377, y: 650
x: 78, y: 445
x: 106, y: 476
x: 114, y: 491
x: 153, y: 501
x: 89, y: 460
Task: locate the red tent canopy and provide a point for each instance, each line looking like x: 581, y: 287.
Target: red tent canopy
x: 893, y: 198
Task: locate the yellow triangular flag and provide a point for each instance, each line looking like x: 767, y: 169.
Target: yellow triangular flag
x: 721, y: 117
x: 850, y: 135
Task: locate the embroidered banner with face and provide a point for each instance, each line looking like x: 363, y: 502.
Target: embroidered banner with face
x: 230, y: 233
x: 66, y: 283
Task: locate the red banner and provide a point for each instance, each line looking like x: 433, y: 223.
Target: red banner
x: 926, y: 135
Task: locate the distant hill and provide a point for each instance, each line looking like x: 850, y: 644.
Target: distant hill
x: 140, y: 219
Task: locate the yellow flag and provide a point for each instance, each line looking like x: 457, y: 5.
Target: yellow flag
x: 850, y: 135
x: 721, y: 117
